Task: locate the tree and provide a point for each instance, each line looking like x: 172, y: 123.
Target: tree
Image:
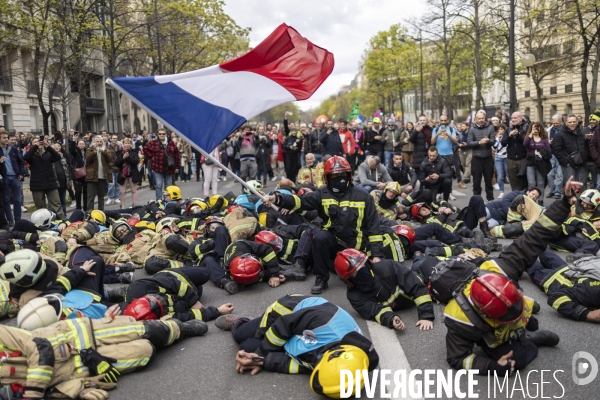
x: 193, y: 34
x: 582, y: 21
x: 539, y: 37
x: 389, y: 65
x: 437, y: 23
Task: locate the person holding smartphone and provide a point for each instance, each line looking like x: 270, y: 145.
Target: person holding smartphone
x: 43, y: 182
x: 98, y: 159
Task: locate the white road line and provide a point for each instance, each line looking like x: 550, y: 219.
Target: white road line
x: 391, y: 355
x: 457, y: 193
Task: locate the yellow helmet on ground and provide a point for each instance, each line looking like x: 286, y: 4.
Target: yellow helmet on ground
x: 166, y: 223
x: 393, y: 187
x: 212, y: 200
x: 98, y: 216
x: 140, y: 226
x: 262, y: 218
x: 325, y: 378
x: 173, y: 191
x: 195, y: 206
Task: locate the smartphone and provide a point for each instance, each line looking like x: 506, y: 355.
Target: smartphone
x: 442, y: 127
x: 42, y: 138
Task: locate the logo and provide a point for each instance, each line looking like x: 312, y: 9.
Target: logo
x: 581, y: 367
x: 17, y: 268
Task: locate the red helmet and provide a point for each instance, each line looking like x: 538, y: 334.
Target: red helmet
x: 336, y: 165
x: 303, y: 191
x: 132, y: 222
x: 415, y: 210
x: 246, y: 269
x: 231, y: 208
x: 347, y: 262
x: 405, y: 231
x: 271, y: 239
x: 150, y: 306
x: 497, y: 298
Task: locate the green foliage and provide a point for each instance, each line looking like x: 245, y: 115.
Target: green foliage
x: 276, y: 114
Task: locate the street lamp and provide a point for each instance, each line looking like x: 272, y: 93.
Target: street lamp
x: 528, y: 60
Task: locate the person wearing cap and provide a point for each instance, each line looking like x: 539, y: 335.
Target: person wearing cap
x: 496, y: 122
x: 391, y: 139
x: 374, y: 138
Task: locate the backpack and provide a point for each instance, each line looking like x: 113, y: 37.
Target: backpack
x: 586, y: 267
x: 447, y: 279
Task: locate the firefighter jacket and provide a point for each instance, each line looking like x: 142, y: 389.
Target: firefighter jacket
x: 137, y: 249
x: 13, y: 241
x: 80, y: 231
x: 352, y: 217
x: 523, y: 210
x: 170, y: 247
x: 580, y: 227
x: 240, y: 226
x: 262, y: 251
x: 394, y: 287
x: 286, y: 349
x: 49, y: 357
x: 570, y: 297
x: 291, y: 235
x: 7, y: 308
x: 192, y: 224
x: 393, y: 246
x: 389, y: 212
x: 180, y: 292
x: 55, y: 248
x: 311, y: 175
x: 103, y: 244
x: 511, y: 262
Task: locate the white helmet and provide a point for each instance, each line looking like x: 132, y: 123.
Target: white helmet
x: 256, y: 185
x: 40, y: 312
x: 43, y: 217
x: 590, y: 196
x: 23, y: 268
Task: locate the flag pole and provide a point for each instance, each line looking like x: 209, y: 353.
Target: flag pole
x: 194, y: 145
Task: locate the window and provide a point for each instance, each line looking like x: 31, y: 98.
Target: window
x: 527, y: 93
x: 569, y: 88
x: 5, y: 78
x: 33, y: 113
x: 553, y: 90
x: 553, y: 110
x: 569, y: 109
x: 6, y: 116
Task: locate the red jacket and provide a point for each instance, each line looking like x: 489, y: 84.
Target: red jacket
x: 155, y: 151
x: 348, y: 143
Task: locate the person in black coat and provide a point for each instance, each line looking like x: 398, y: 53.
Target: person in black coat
x: 569, y: 148
x: 77, y: 151
x: 62, y: 170
x: 435, y: 174
x: 331, y: 142
x: 43, y: 182
x: 127, y: 161
x: 292, y: 146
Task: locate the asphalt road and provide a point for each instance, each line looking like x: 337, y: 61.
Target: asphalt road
x: 205, y: 368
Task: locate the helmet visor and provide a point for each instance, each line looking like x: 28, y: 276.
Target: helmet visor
x: 513, y: 313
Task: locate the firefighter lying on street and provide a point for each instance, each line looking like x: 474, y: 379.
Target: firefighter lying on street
x: 573, y: 288
x: 377, y: 290
x: 302, y: 335
x: 82, y: 358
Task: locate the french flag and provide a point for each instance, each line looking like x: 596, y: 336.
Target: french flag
x: 208, y: 104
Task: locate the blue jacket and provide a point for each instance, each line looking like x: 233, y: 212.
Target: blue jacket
x: 17, y: 160
x: 499, y: 208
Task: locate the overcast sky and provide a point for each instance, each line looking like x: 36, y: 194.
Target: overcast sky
x: 342, y: 27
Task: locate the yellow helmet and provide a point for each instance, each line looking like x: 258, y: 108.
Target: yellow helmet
x: 164, y: 223
x: 212, y: 200
x: 325, y: 378
x: 140, y: 226
x: 262, y: 218
x: 189, y: 210
x: 98, y: 216
x: 393, y: 187
x: 173, y: 191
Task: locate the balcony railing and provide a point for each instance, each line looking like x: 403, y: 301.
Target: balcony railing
x: 553, y: 90
x: 569, y: 88
x: 32, y: 86
x: 6, y: 84
x: 94, y: 106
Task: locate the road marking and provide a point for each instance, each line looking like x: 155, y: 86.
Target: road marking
x: 391, y: 355
x: 457, y: 193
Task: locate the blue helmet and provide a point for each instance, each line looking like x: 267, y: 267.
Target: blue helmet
x: 242, y: 200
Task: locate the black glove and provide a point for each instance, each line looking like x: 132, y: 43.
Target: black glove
x: 98, y: 364
x: 218, y: 205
